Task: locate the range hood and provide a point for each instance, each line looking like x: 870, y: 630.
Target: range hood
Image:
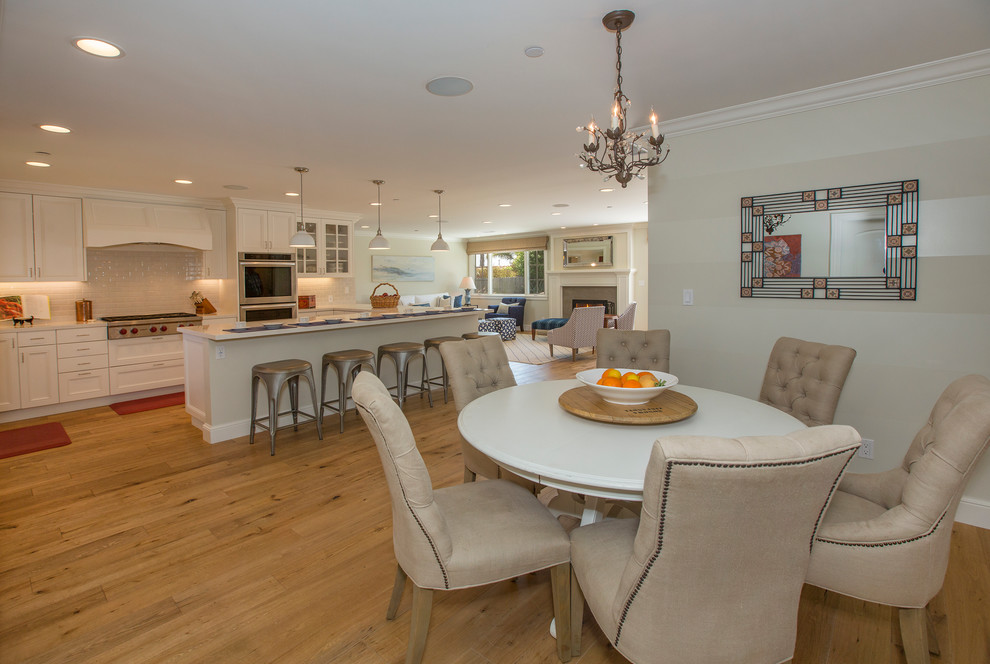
x: 114, y: 223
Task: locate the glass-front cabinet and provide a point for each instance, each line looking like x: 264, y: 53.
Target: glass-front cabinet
x: 332, y: 254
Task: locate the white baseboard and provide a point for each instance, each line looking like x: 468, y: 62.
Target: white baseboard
x: 974, y: 512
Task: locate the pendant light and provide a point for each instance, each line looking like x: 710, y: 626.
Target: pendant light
x: 439, y: 244
x: 302, y: 239
x: 379, y: 241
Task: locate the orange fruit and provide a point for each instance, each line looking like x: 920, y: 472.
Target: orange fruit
x: 611, y: 382
x: 630, y: 375
x: 611, y: 373
x: 631, y: 383
x: 648, y: 380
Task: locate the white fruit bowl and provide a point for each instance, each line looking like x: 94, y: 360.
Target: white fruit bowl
x: 626, y: 396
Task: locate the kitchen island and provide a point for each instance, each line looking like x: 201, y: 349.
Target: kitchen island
x: 218, y: 361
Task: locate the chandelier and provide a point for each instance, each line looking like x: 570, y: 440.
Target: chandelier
x: 617, y: 152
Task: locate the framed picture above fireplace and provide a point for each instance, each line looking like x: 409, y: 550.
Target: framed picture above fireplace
x: 593, y: 251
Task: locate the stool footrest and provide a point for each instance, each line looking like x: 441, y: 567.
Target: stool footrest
x: 262, y: 422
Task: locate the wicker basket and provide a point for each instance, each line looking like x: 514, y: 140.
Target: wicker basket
x: 384, y: 301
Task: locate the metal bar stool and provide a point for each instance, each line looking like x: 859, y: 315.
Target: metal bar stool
x: 275, y: 375
x: 441, y: 380
x: 401, y: 353
x: 347, y: 364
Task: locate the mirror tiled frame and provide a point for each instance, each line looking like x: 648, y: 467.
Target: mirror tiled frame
x: 899, y: 282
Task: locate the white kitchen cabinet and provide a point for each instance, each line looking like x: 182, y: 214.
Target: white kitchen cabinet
x: 82, y: 364
x: 215, y: 260
x: 38, y: 368
x: 10, y: 387
x: 264, y: 230
x: 332, y: 255
x: 43, y: 238
x: 145, y: 363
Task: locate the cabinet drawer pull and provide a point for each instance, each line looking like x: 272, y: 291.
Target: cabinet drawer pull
x: 36, y: 338
x: 158, y: 364
x: 85, y: 373
x: 82, y: 349
x: 82, y: 364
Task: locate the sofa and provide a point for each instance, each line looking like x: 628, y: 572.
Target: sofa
x: 512, y: 307
x: 426, y: 300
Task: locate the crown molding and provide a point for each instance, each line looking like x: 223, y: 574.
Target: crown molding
x: 73, y: 191
x: 938, y: 72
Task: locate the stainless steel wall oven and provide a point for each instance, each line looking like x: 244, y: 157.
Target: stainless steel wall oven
x: 266, y: 286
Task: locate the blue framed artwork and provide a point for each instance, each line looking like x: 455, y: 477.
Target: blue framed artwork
x: 402, y: 268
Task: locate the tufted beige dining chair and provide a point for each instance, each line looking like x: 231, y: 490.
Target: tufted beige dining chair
x: 805, y: 379
x: 627, y: 318
x: 634, y: 349
x: 705, y: 575
x: 579, y: 331
x: 460, y: 536
x: 476, y: 367
x: 885, y: 538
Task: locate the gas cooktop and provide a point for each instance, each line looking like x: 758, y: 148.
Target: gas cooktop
x: 148, y: 325
x: 136, y: 317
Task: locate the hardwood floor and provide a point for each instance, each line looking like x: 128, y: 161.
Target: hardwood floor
x: 141, y: 543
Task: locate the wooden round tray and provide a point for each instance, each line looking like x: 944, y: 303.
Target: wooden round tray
x: 669, y: 406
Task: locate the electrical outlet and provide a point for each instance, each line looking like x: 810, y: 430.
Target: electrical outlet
x: 329, y: 298
x: 221, y: 352
x: 865, y: 449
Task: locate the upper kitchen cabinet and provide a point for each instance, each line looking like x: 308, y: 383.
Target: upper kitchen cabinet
x: 215, y: 260
x: 43, y: 238
x: 332, y: 255
x: 264, y: 230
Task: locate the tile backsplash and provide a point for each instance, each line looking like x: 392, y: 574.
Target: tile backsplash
x: 136, y: 280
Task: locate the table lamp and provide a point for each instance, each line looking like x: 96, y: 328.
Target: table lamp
x: 467, y: 283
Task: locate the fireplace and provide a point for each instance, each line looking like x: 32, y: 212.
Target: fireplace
x: 608, y: 304
x: 611, y: 287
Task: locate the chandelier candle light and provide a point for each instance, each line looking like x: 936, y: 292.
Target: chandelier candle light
x: 439, y: 244
x: 616, y: 152
x: 379, y: 241
x: 302, y: 239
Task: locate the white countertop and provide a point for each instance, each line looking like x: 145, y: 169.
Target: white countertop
x: 224, y: 332
x: 8, y: 325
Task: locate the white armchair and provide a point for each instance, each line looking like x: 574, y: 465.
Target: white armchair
x: 579, y: 331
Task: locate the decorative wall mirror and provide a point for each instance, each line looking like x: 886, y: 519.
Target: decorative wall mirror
x: 588, y: 251
x: 845, y: 243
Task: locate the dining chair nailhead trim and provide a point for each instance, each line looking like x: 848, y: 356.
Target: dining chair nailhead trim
x: 433, y: 546
x: 661, y: 520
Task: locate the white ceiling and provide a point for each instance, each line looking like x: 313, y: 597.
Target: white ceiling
x: 241, y: 91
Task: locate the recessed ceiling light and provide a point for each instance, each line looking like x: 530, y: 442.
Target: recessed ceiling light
x: 562, y: 205
x: 486, y: 222
x: 183, y: 182
x: 563, y: 227
x: 594, y: 224
x: 606, y: 189
x: 365, y: 226
x: 376, y: 204
x: 39, y: 164
x: 534, y: 51
x: 98, y: 47
x: 235, y: 187
x: 292, y: 193
x: 505, y: 204
x: 55, y: 129
x: 432, y: 216
x: 449, y: 86
x: 555, y: 214
x: 646, y: 202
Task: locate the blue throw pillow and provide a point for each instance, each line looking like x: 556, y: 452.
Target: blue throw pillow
x: 457, y: 300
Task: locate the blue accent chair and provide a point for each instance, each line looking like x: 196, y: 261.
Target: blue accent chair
x: 516, y: 310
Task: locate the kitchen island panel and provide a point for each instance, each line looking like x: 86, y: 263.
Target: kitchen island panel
x: 218, y: 364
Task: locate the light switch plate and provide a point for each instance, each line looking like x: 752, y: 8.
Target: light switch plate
x: 688, y: 297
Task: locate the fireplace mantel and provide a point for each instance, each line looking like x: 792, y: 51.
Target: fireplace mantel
x: 622, y: 279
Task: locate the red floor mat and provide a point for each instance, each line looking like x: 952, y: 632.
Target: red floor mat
x: 32, y: 439
x: 149, y: 403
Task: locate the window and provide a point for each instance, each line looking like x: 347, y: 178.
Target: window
x: 510, y: 273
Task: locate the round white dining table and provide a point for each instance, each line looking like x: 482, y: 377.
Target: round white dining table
x: 524, y: 429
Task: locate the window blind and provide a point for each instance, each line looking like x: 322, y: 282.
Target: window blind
x: 537, y: 243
